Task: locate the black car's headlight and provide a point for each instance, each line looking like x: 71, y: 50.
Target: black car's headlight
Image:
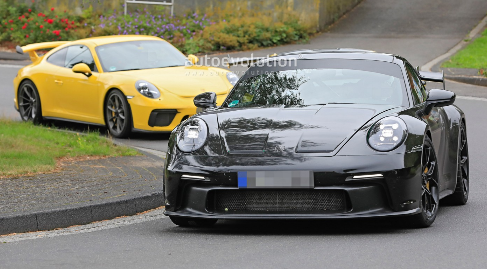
x: 192, y: 135
x: 387, y: 134
x: 147, y: 89
x: 232, y: 78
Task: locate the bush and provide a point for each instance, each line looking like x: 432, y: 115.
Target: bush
x: 219, y: 29
x: 23, y: 25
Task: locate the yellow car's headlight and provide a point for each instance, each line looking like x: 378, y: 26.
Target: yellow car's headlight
x: 147, y: 89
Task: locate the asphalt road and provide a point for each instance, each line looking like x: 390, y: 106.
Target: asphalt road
x: 419, y: 30
x: 457, y: 239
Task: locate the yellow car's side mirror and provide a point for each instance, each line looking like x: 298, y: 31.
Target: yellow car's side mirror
x: 193, y: 59
x: 83, y: 69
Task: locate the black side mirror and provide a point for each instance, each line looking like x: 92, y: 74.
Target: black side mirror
x: 438, y: 98
x: 205, y: 100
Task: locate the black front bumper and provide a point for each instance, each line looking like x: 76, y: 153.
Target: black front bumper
x: 398, y: 192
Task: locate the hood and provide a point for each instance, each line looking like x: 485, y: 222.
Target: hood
x: 184, y: 81
x: 312, y: 129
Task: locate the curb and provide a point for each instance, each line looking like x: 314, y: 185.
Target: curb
x: 62, y: 218
x: 434, y: 65
x: 11, y: 56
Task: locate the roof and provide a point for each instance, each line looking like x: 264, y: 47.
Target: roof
x: 103, y: 40
x: 339, y: 53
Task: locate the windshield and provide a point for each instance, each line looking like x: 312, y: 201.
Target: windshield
x: 138, y: 55
x: 380, y: 83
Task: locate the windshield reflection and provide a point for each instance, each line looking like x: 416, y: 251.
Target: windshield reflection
x: 303, y: 87
x: 139, y: 55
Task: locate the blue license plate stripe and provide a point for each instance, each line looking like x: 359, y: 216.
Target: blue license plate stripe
x: 242, y: 179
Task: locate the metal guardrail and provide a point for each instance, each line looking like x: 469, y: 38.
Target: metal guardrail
x: 162, y: 3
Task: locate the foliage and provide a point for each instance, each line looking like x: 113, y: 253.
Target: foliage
x: 26, y: 148
x: 472, y: 56
x: 23, y: 25
x: 218, y: 29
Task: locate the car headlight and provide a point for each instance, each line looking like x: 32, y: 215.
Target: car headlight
x: 232, y: 78
x: 192, y: 135
x: 147, y: 89
x: 387, y: 134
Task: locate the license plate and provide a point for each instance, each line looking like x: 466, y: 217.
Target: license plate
x: 275, y: 179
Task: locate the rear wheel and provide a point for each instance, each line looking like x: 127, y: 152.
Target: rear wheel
x: 460, y: 196
x: 429, y: 188
x: 117, y: 114
x: 29, y: 102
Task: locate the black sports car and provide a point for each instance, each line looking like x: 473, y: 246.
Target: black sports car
x: 320, y: 134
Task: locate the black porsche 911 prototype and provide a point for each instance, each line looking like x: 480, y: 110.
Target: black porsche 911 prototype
x: 320, y: 134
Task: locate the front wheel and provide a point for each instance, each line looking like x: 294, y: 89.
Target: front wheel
x: 429, y: 188
x: 118, y: 117
x: 29, y: 103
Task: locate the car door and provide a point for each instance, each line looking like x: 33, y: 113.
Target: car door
x: 50, y: 103
x: 436, y: 121
x: 80, y: 94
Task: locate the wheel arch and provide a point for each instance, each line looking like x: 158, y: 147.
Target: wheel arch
x: 105, y: 99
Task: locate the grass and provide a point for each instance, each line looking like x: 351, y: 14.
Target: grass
x: 472, y: 56
x: 26, y: 148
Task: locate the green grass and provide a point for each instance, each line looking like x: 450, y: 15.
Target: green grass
x: 26, y: 148
x: 472, y: 56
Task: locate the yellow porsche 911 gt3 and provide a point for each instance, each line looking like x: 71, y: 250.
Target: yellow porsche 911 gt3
x: 127, y: 83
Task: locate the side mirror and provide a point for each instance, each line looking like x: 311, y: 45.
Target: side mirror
x: 438, y: 98
x: 205, y: 100
x: 82, y: 69
x: 193, y: 59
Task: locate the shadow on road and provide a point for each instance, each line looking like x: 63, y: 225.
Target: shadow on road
x: 83, y: 128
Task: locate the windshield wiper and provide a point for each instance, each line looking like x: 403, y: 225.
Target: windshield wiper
x: 130, y: 69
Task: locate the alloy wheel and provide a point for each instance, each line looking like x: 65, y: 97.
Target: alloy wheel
x: 429, y: 195
x: 28, y: 103
x: 116, y: 114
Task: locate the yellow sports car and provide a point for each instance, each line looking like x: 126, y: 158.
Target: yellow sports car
x: 126, y: 83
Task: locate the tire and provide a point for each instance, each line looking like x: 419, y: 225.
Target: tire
x: 430, y: 189
x: 460, y: 196
x: 29, y: 102
x: 187, y: 222
x: 118, y: 117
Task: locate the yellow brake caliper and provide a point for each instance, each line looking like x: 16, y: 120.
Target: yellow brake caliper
x: 427, y: 183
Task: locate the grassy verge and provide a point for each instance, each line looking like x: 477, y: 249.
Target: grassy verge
x: 472, y: 56
x: 26, y: 148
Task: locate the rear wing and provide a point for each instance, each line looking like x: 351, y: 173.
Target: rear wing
x: 433, y: 76
x: 32, y: 48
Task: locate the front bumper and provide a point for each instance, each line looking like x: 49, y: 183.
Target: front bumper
x: 397, y: 193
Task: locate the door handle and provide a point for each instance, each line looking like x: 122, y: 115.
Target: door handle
x: 60, y: 82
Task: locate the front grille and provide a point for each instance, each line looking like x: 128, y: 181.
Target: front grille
x: 161, y: 117
x: 277, y: 201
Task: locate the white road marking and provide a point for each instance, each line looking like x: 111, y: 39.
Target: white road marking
x: 472, y: 98
x: 88, y: 228
x: 11, y: 66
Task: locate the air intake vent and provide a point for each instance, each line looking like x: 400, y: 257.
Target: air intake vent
x: 277, y: 201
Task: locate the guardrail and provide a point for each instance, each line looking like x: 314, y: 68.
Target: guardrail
x: 162, y: 3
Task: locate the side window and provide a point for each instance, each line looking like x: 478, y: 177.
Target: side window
x: 58, y: 58
x: 79, y: 54
x: 417, y: 88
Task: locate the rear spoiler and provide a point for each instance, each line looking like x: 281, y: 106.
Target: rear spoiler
x: 433, y: 76
x: 32, y: 48
x: 246, y: 60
